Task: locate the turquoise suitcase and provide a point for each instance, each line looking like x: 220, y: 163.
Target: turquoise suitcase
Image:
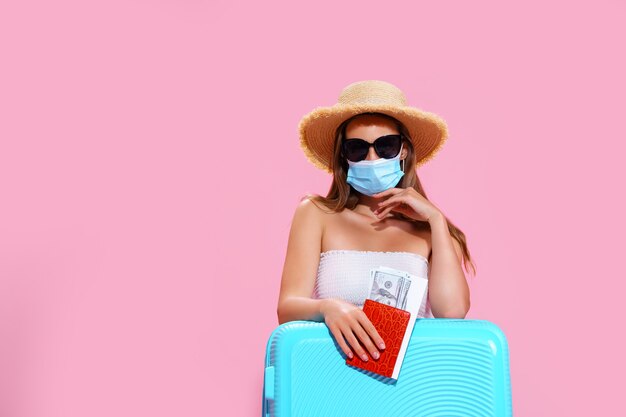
x: 452, y: 367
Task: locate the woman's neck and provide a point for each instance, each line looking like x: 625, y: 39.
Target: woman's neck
x: 367, y: 204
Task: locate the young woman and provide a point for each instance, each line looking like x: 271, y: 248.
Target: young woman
x: 376, y: 213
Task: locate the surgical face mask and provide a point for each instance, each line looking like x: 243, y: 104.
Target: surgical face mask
x: 371, y: 177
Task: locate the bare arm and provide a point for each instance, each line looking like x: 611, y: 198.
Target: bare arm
x: 345, y: 320
x: 300, y: 267
x: 447, y: 286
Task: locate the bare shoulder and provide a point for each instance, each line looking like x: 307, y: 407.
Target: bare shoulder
x: 311, y: 211
x: 421, y: 229
x: 303, y: 251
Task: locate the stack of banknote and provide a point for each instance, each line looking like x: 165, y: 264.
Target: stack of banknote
x: 397, y: 288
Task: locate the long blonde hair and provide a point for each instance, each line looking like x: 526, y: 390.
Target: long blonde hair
x: 341, y: 195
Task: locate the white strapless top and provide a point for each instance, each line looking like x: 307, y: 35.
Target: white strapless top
x: 344, y: 274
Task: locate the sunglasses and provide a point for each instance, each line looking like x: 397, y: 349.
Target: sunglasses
x: 356, y: 149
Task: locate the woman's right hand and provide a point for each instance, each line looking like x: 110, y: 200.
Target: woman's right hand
x: 344, y: 320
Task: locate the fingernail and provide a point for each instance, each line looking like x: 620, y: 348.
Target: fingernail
x: 382, y: 345
x: 376, y: 355
x: 350, y: 355
x: 364, y: 357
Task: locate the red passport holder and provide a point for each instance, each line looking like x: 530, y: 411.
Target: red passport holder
x: 391, y: 324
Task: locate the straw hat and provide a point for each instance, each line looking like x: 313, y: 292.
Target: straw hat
x: 317, y: 129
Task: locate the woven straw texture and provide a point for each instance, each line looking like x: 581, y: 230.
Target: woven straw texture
x: 317, y: 129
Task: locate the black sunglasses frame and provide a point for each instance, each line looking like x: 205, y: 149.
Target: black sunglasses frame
x: 376, y: 144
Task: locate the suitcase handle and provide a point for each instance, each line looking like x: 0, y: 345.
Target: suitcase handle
x: 268, y: 390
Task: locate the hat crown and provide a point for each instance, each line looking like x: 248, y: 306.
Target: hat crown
x: 372, y: 92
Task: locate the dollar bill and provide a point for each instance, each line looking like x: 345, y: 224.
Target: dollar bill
x: 389, y: 287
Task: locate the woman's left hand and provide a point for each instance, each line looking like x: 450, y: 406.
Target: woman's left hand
x: 406, y: 201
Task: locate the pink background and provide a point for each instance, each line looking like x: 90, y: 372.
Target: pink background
x: 150, y: 166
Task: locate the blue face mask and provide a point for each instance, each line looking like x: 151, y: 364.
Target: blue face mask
x: 371, y: 177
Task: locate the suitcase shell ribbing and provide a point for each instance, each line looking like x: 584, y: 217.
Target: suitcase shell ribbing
x: 452, y: 367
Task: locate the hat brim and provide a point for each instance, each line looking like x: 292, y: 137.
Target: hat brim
x: 317, y: 130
